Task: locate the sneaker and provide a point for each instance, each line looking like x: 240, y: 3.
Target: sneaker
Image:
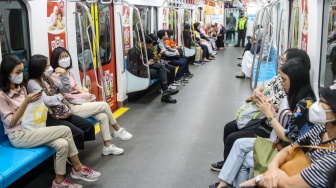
x: 112, y: 150
x: 214, y: 185
x: 170, y: 92
x: 197, y: 63
x: 240, y: 57
x: 217, y: 166
x: 122, y: 134
x: 171, y: 87
x: 65, y: 184
x: 86, y: 174
x: 168, y: 99
x: 176, y: 83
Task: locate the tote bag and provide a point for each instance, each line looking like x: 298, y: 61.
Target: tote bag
x: 35, y: 115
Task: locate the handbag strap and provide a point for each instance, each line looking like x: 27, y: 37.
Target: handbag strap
x: 323, y: 146
x: 48, y: 80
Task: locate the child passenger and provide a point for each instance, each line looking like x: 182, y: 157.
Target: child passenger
x: 14, y: 101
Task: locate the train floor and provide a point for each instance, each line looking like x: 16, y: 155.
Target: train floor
x: 173, y: 145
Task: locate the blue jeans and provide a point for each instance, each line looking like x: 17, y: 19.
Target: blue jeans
x: 182, y: 66
x: 238, y: 165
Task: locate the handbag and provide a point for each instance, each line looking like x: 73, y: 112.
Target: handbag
x: 35, y: 115
x: 61, y: 111
x: 263, y: 153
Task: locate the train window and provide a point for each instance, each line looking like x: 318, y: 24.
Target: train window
x: 145, y: 17
x: 105, y: 34
x: 14, y: 35
x: 328, y: 51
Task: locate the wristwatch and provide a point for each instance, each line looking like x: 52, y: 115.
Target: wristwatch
x: 269, y: 119
x: 258, y: 178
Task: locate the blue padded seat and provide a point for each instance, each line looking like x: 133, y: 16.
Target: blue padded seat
x: 94, y: 121
x: 154, y: 81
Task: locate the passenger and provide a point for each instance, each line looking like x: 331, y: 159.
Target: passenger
x: 170, y: 69
x: 188, y: 42
x: 207, y: 37
x: 322, y: 113
x: 173, y: 56
x: 197, y: 27
x: 231, y: 131
x: 241, y: 28
x: 247, y: 61
x: 61, y: 61
x: 206, y: 54
x: 219, y: 35
x: 14, y: 101
x: 38, y: 69
x: 170, y: 40
x: 331, y: 177
x: 158, y: 70
x: 296, y: 83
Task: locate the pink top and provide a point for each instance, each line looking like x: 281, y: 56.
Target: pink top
x: 9, y: 103
x: 73, y: 87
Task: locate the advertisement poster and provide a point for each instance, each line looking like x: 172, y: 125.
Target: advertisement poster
x: 56, y: 16
x: 304, y: 38
x: 126, y: 28
x: 109, y: 85
x: 164, y: 21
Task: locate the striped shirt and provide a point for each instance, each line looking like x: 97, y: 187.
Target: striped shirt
x: 316, y: 175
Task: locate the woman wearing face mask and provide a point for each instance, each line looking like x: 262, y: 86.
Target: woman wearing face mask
x: 296, y: 83
x: 39, y: 70
x: 322, y: 113
x: 61, y: 60
x: 13, y: 102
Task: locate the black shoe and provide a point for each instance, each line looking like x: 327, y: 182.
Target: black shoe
x: 239, y: 65
x: 240, y: 76
x: 217, y: 166
x: 214, y: 185
x: 240, y: 57
x: 237, y: 45
x: 168, y: 99
x: 169, y: 92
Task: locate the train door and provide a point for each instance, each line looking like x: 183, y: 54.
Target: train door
x: 14, y: 30
x: 95, y: 43
x: 232, y: 15
x: 328, y: 49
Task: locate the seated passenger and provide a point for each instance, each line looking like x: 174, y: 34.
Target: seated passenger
x: 323, y: 114
x: 170, y: 69
x: 173, y: 56
x: 201, y: 41
x: 296, y: 82
x: 170, y: 40
x: 52, y: 89
x: 61, y: 61
x: 277, y: 93
x: 247, y: 61
x: 14, y: 101
x: 188, y: 43
x: 158, y: 70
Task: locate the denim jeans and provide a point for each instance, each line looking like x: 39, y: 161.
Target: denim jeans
x: 237, y: 166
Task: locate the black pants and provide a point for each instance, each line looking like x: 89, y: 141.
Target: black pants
x: 232, y: 133
x: 81, y: 128
x: 206, y: 53
x: 170, y: 73
x: 247, y: 47
x: 241, y: 36
x: 158, y: 70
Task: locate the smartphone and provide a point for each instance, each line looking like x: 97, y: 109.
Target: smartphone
x: 42, y: 90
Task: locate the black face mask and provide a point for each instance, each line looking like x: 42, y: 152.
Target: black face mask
x: 155, y: 43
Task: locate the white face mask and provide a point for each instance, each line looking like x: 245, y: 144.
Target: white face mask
x: 49, y: 71
x: 16, y: 79
x: 65, y: 62
x: 317, y: 114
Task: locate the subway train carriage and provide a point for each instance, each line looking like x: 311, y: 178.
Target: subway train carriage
x: 167, y: 93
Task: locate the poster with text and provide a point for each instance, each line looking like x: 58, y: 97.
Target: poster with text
x: 304, y: 38
x: 126, y: 29
x: 164, y: 21
x: 56, y: 16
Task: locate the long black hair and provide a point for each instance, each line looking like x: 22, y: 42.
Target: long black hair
x: 55, y: 55
x: 298, y: 53
x: 300, y: 87
x: 8, y: 63
x: 37, y: 66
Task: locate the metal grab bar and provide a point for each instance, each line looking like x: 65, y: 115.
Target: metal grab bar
x: 106, y: 2
x: 122, y: 41
x: 279, y: 37
x: 103, y: 86
x: 79, y: 16
x: 91, y: 1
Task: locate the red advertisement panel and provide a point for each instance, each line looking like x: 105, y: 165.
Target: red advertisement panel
x: 304, y: 40
x: 126, y: 29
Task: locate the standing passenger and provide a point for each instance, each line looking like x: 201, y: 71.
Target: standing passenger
x: 241, y: 28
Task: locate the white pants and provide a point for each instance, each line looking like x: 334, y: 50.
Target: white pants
x: 247, y: 63
x: 208, y: 46
x: 100, y: 111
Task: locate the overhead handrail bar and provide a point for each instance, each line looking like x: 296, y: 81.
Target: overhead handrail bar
x: 91, y: 1
x: 118, y: 2
x: 106, y: 2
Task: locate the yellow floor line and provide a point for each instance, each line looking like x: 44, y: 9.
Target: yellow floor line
x: 116, y: 114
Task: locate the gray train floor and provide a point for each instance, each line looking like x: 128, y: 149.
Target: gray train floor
x: 173, y: 145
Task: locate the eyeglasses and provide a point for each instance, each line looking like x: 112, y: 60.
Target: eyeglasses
x: 282, y: 59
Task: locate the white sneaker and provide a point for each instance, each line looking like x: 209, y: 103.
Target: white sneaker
x: 112, y: 149
x: 122, y: 134
x: 172, y: 87
x: 176, y: 83
x: 86, y: 174
x: 65, y: 184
